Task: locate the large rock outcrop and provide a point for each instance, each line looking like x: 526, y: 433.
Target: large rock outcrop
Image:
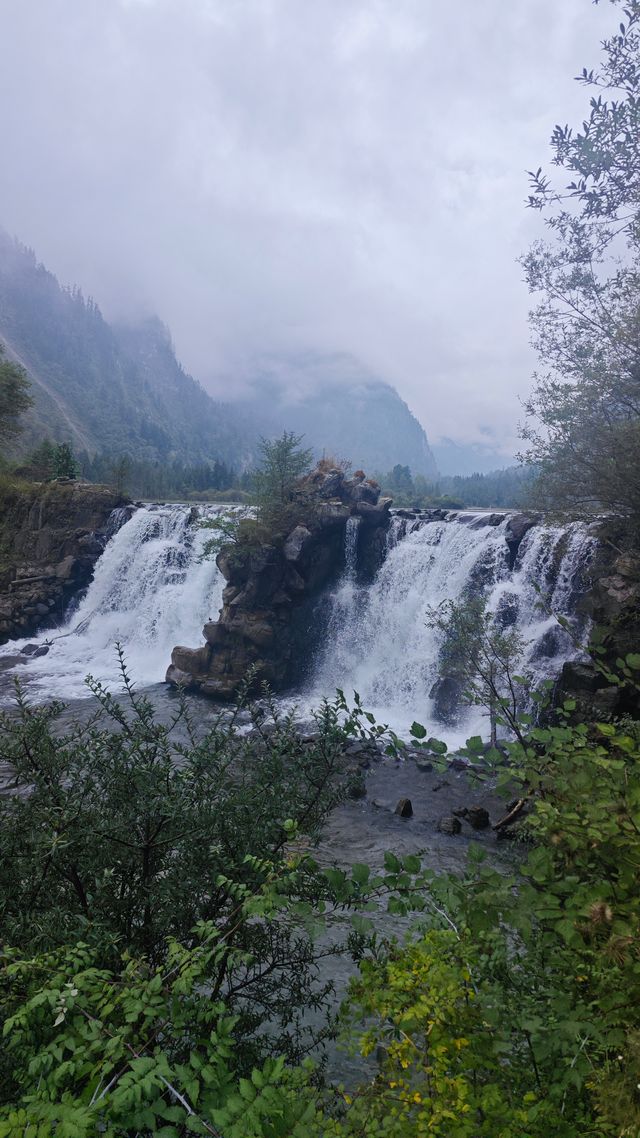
x: 51, y: 535
x: 613, y: 604
x: 266, y: 626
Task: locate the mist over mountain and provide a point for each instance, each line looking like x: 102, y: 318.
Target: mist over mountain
x: 118, y: 388
x: 342, y: 410
x: 103, y: 387
x: 456, y: 458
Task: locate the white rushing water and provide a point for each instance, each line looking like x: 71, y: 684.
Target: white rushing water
x: 379, y: 641
x: 150, y: 591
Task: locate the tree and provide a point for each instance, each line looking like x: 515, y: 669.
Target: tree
x: 14, y: 397
x: 64, y: 463
x: 133, y: 831
x: 583, y: 426
x: 283, y: 462
x: 480, y: 657
x: 400, y: 479
x: 42, y: 463
x: 121, y: 473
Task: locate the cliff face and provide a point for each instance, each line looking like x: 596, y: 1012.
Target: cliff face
x: 613, y: 604
x: 51, y: 535
x: 266, y: 623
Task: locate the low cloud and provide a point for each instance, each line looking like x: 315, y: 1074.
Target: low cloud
x: 270, y: 176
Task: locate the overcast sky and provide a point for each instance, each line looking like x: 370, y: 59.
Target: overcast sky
x: 276, y: 175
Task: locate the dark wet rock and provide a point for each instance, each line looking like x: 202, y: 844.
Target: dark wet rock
x: 266, y: 625
x: 373, y: 515
x: 190, y: 660
x: 295, y: 543
x: 359, y: 747
x: 517, y: 526
x: 446, y: 694
x: 449, y: 824
x: 508, y: 610
x: 366, y: 492
x: 357, y: 789
x: 484, y: 520
x: 54, y: 533
x: 404, y: 809
x: 477, y: 817
x: 462, y: 763
x: 177, y: 678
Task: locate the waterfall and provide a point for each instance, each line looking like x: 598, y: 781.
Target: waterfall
x: 379, y: 641
x: 352, y: 529
x: 150, y: 591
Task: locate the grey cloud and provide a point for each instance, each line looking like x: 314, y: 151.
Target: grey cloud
x: 271, y: 175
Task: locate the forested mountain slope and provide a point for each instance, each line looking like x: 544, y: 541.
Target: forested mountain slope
x: 102, y: 387
x: 120, y: 389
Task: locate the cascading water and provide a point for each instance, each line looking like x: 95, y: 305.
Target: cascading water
x: 351, y: 532
x: 151, y: 590
x: 381, y: 644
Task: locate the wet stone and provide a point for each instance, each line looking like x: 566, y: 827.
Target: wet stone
x: 404, y: 809
x: 449, y: 824
x: 478, y: 817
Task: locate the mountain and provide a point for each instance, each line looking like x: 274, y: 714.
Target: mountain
x: 342, y: 410
x: 104, y: 387
x: 120, y: 389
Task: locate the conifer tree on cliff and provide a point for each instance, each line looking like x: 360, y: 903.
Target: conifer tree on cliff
x: 14, y: 397
x: 284, y: 461
x: 583, y: 427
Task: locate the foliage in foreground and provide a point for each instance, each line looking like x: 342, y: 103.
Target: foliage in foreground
x: 510, y: 1011
x: 133, y: 830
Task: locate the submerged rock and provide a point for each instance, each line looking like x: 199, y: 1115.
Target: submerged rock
x: 449, y: 824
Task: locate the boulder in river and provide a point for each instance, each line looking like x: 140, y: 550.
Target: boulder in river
x: 265, y: 630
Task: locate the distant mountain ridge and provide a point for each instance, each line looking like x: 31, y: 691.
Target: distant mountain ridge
x: 342, y: 410
x: 120, y: 389
x: 473, y: 458
x: 104, y: 387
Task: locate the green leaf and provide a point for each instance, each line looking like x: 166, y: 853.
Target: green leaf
x: 360, y: 873
x: 475, y: 744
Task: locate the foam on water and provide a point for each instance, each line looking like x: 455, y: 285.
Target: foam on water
x: 379, y: 641
x: 150, y: 591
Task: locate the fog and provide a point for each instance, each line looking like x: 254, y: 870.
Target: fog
x: 272, y: 176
